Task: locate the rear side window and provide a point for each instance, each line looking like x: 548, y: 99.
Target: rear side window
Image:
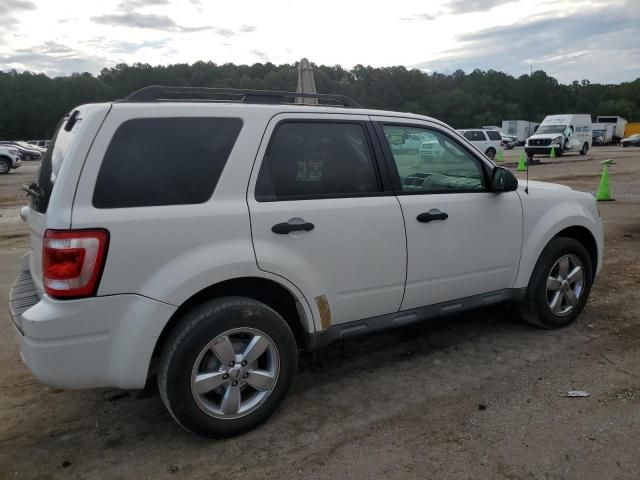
x: 493, y: 135
x: 164, y: 161
x: 308, y: 160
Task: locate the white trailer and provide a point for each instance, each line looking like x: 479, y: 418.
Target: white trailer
x: 602, y: 133
x: 521, y: 129
x: 619, y: 125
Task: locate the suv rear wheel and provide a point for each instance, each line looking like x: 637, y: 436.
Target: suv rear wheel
x: 559, y: 286
x: 227, y: 367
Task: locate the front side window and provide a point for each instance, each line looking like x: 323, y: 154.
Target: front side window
x: 164, y: 161
x: 308, y: 160
x: 439, y: 165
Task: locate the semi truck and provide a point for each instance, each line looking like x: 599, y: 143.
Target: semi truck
x: 618, y: 123
x: 521, y: 129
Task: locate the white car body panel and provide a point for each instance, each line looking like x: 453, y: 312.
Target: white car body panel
x: 548, y: 209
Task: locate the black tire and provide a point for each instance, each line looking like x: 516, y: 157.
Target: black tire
x: 585, y: 149
x: 196, y: 329
x: 27, y: 157
x: 534, y: 308
x: 5, y: 166
x: 491, y: 153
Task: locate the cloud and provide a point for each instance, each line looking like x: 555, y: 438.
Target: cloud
x: 421, y: 16
x: 8, y: 11
x: 247, y: 28
x: 145, y: 20
x: 125, y: 47
x: 8, y: 7
x: 468, y: 6
x: 568, y: 48
x: 261, y: 55
x: 133, y: 4
x: 224, y: 32
x: 52, y: 58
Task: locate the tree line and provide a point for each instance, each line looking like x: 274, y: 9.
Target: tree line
x: 32, y: 104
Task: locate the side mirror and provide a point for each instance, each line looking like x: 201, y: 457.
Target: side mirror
x: 503, y: 180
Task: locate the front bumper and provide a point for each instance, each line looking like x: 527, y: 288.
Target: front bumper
x: 86, y: 343
x: 542, y: 150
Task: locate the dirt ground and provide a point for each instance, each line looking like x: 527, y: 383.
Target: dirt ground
x: 475, y: 396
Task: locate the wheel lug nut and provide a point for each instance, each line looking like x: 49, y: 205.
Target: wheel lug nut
x: 232, y: 363
x: 244, y: 363
x: 245, y: 375
x: 225, y: 376
x: 234, y: 384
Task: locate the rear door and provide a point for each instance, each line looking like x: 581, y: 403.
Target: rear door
x: 323, y: 216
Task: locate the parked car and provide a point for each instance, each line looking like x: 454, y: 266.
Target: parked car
x: 487, y: 141
x: 508, y: 142
x: 632, y: 141
x: 27, y: 152
x: 40, y: 143
x: 9, y: 159
x: 216, y: 239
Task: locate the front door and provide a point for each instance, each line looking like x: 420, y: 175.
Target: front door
x: 322, y: 218
x: 462, y: 240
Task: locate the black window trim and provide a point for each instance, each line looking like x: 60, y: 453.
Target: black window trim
x: 377, y: 156
x: 485, y: 168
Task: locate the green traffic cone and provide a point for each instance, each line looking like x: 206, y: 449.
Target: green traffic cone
x: 553, y: 153
x: 522, y: 163
x: 500, y: 156
x: 604, y: 192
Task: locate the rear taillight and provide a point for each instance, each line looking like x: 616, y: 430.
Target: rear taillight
x: 72, y: 261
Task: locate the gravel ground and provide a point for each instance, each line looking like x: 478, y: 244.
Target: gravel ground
x: 475, y: 396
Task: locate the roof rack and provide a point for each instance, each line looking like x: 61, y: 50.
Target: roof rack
x: 159, y: 93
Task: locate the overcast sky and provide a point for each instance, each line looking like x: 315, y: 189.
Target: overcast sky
x: 571, y: 40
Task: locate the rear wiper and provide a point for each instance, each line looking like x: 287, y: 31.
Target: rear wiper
x: 31, y: 190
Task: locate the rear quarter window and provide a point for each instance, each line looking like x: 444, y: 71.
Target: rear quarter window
x: 493, y: 135
x: 164, y: 161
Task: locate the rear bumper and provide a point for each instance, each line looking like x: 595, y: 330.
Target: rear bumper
x: 86, y: 343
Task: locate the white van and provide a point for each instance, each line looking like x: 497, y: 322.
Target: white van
x: 563, y: 133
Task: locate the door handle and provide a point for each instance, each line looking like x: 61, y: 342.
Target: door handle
x: 288, y: 227
x: 433, y: 214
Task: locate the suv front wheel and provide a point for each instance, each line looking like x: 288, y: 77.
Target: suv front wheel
x: 559, y: 286
x: 227, y: 366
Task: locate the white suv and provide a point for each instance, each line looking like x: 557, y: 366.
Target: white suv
x: 216, y: 238
x: 9, y: 159
x: 487, y: 141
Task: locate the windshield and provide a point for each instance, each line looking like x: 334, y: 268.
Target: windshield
x: 551, y: 129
